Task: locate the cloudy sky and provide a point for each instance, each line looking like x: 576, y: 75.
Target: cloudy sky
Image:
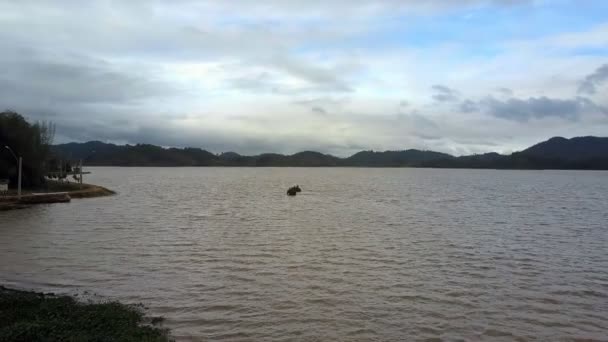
x: 337, y: 76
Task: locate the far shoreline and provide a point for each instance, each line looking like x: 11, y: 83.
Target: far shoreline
x: 349, y: 167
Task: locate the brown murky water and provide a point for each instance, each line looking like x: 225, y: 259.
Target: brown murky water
x: 360, y: 254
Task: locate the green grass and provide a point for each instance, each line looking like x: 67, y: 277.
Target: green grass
x: 31, y: 316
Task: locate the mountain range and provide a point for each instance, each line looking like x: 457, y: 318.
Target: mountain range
x: 555, y: 153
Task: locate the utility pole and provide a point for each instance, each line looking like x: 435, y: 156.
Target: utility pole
x: 20, y: 162
x: 19, y: 181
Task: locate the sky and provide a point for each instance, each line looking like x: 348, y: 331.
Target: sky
x: 335, y: 76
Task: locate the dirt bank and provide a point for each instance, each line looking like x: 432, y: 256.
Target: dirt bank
x: 34, y: 196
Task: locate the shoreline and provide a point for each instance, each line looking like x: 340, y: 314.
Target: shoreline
x: 33, y: 316
x: 87, y: 191
x: 55, y: 192
x: 355, y: 167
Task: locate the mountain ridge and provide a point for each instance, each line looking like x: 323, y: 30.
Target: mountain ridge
x: 555, y: 153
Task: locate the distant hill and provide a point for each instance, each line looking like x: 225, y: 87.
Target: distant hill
x: 99, y: 153
x: 575, y: 149
x: 395, y: 158
x: 578, y: 153
x: 555, y: 153
x: 311, y: 158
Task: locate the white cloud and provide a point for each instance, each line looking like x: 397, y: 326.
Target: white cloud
x: 283, y: 76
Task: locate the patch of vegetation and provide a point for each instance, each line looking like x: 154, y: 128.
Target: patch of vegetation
x: 31, y: 316
x: 30, y: 141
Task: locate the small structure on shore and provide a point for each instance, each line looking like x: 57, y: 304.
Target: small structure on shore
x: 293, y: 190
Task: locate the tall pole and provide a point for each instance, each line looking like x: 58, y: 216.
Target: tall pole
x: 20, y: 162
x: 19, y: 181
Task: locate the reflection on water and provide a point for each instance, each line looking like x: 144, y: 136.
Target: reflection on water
x: 360, y: 254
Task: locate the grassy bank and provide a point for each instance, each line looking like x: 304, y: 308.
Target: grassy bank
x: 74, y: 190
x: 32, y: 316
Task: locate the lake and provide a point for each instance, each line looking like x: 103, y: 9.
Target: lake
x: 361, y: 254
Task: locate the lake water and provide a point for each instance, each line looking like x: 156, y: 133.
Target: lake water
x: 360, y: 254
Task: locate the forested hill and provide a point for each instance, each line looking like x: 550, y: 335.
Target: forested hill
x: 555, y: 153
x: 580, y: 148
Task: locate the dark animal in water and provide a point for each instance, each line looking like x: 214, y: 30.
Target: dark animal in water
x: 293, y: 190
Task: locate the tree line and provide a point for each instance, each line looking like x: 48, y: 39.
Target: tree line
x: 30, y: 141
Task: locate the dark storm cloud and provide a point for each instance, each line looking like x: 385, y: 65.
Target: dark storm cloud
x: 311, y: 79
x: 326, y: 107
x: 504, y: 91
x: 323, y: 78
x: 167, y: 135
x: 162, y: 134
x: 321, y: 101
x: 469, y: 106
x: 591, y: 82
x: 539, y: 107
x: 444, y: 94
x: 417, y: 120
x: 37, y: 80
x: 262, y: 82
x: 319, y: 110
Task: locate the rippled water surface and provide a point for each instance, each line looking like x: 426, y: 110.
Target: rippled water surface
x: 360, y: 254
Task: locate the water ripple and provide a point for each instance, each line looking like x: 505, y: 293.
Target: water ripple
x: 361, y: 254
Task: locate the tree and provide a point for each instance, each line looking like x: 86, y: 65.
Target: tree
x: 30, y: 141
